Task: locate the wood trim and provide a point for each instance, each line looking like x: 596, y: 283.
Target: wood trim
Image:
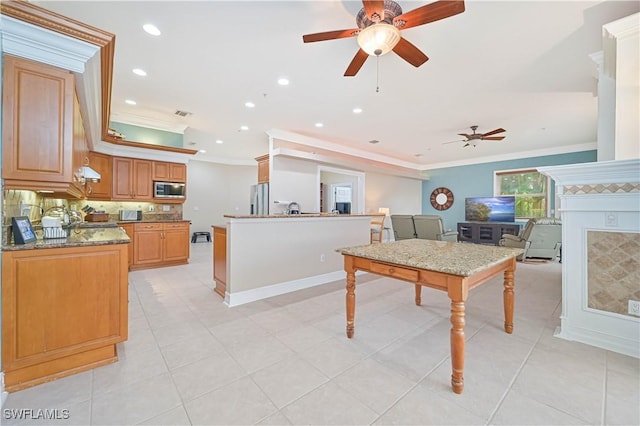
x: 115, y: 141
x: 38, y: 16
x: 517, y: 172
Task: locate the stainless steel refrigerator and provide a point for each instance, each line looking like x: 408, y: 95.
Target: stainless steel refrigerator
x: 260, y: 199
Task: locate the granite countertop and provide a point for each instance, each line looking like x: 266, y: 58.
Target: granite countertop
x: 80, y: 236
x: 288, y: 216
x: 462, y: 259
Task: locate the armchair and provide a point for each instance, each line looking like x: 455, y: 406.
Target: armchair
x: 430, y: 227
x: 541, y: 238
x: 403, y: 226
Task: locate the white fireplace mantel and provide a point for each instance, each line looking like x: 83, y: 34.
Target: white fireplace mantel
x: 599, y: 202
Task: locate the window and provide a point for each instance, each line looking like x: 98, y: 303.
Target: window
x: 530, y: 188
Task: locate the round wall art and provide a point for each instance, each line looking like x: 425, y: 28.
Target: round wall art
x: 441, y: 198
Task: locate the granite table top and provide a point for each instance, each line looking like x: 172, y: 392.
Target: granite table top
x: 78, y: 237
x: 456, y: 258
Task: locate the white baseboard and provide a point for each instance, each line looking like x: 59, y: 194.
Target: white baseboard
x: 242, y: 297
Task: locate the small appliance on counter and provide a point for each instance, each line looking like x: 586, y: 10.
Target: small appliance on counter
x: 293, y: 208
x: 93, y: 215
x: 130, y: 215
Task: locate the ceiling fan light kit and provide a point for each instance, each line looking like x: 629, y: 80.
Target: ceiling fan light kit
x: 378, y: 39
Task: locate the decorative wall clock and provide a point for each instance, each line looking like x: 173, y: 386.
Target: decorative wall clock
x: 441, y: 198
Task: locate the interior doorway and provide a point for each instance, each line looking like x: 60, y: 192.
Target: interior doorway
x: 340, y: 185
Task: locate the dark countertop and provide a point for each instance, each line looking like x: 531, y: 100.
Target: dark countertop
x: 81, y: 236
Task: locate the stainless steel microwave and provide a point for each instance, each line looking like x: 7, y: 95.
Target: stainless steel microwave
x: 168, y: 190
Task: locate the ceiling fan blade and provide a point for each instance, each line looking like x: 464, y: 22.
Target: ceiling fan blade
x: 459, y: 140
x: 430, y: 13
x: 329, y: 35
x: 493, y: 132
x: 410, y: 53
x: 466, y: 144
x: 465, y: 135
x: 356, y: 63
x: 493, y: 138
x: 374, y: 7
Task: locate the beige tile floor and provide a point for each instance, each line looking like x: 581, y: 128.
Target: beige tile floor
x: 286, y: 360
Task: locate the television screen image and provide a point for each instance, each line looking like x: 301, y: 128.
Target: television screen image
x: 490, y: 209
x: 343, y: 208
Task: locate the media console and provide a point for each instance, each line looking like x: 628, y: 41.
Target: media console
x: 485, y: 232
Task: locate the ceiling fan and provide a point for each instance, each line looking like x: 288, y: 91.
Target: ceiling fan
x: 471, y: 139
x: 379, y: 23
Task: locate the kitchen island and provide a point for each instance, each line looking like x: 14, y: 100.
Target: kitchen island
x: 265, y: 256
x: 64, y: 305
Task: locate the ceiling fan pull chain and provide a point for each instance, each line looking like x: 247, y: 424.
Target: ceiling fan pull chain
x: 377, y: 73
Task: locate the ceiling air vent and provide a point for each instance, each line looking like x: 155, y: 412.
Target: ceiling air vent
x: 182, y: 113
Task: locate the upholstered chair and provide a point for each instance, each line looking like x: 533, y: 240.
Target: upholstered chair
x: 430, y: 227
x: 540, y: 238
x: 403, y: 226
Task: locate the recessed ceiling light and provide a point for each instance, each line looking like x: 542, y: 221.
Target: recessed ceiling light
x: 249, y: 104
x: 151, y: 29
x: 130, y: 102
x: 283, y: 81
x: 319, y: 124
x: 357, y: 110
x: 244, y: 127
x: 219, y: 141
x: 140, y: 72
x: 203, y: 151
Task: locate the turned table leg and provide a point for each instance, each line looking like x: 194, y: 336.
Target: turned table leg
x: 508, y: 300
x: 457, y: 345
x: 418, y: 294
x: 351, y: 302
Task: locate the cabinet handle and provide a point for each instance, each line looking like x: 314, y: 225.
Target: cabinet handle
x: 86, y: 161
x: 89, y: 190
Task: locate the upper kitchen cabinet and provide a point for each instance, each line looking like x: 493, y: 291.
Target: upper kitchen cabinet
x: 101, y: 190
x: 132, y: 179
x: 263, y: 168
x: 169, y: 172
x: 37, y: 126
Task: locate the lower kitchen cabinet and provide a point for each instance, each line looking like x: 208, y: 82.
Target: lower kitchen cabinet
x: 128, y: 228
x: 160, y: 244
x: 63, y: 311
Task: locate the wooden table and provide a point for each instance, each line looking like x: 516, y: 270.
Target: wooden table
x: 452, y: 267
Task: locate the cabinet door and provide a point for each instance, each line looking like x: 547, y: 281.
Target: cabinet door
x: 263, y: 169
x: 176, y: 241
x: 128, y: 228
x: 161, y: 171
x: 80, y: 147
x: 142, y: 183
x: 122, y: 178
x: 37, y: 121
x: 101, y: 163
x: 147, y: 244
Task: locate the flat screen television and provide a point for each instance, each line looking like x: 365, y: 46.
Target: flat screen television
x: 343, y: 208
x: 490, y: 209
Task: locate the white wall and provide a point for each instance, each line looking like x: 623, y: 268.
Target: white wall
x: 214, y: 190
x: 295, y: 179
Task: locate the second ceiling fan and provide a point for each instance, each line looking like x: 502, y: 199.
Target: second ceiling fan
x: 379, y: 23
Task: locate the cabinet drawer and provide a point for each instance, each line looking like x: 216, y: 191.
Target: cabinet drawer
x: 395, y: 271
x: 176, y: 226
x: 147, y: 227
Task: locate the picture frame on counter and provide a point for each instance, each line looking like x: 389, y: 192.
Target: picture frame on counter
x: 23, y: 232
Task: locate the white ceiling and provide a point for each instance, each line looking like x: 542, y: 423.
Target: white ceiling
x: 520, y: 65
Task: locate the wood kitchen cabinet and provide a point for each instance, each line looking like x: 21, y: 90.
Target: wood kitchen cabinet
x: 169, y: 172
x: 102, y: 164
x: 63, y: 311
x: 220, y: 259
x: 128, y: 228
x: 158, y: 244
x: 263, y: 168
x: 132, y: 179
x: 38, y: 127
